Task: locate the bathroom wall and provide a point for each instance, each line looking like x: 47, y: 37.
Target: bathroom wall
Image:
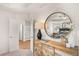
x: 71, y: 9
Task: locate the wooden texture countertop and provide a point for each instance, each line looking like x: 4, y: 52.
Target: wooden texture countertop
x: 61, y: 47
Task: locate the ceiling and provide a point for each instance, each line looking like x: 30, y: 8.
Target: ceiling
x: 41, y: 9
x: 27, y: 7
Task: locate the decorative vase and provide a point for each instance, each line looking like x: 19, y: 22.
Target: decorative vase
x: 39, y: 34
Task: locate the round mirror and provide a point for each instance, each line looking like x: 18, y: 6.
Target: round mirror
x: 58, y: 24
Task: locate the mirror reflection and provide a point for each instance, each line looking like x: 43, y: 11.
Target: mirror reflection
x: 58, y: 25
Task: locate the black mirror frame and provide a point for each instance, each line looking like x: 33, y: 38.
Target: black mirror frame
x: 51, y: 15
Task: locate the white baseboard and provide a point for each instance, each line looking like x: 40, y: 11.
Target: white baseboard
x: 3, y: 52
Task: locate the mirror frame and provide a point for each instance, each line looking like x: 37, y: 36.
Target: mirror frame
x: 50, y: 16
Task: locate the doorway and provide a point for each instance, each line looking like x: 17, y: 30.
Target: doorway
x: 19, y: 42
x: 24, y: 42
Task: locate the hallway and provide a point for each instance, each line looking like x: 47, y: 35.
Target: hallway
x: 20, y: 24
x: 21, y: 52
x: 24, y: 44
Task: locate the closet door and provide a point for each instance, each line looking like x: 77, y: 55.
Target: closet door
x: 13, y: 35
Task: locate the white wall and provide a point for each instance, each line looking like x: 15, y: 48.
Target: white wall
x: 21, y: 32
x: 70, y: 9
x: 4, y: 31
x: 3, y: 34
x: 4, y: 28
x: 32, y: 36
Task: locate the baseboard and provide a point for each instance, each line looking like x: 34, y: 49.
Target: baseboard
x: 3, y: 52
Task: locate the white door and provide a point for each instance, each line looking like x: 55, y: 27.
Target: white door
x: 13, y: 35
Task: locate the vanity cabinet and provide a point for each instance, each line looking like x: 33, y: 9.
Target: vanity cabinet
x: 42, y: 49
x: 37, y: 48
x: 48, y: 50
x: 61, y: 53
x: 52, y: 48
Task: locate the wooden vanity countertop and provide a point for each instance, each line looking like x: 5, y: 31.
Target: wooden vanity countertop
x: 61, y: 47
